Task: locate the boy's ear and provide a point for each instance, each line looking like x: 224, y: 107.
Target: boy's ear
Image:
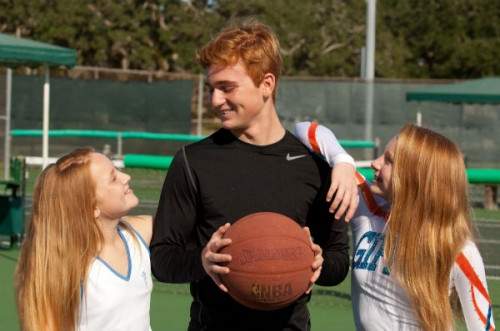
x: 97, y: 212
x: 268, y: 84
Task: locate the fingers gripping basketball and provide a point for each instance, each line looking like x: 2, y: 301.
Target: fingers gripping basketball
x: 271, y: 261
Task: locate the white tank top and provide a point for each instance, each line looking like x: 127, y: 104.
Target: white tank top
x: 113, y: 301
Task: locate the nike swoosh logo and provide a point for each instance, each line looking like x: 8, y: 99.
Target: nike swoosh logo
x: 295, y: 157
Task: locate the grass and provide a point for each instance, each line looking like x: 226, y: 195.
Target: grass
x: 486, y: 215
x: 330, y: 307
x: 170, y: 306
x: 8, y: 317
x: 147, y: 184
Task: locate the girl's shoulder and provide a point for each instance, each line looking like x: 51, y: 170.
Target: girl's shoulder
x: 470, y: 250
x: 143, y: 224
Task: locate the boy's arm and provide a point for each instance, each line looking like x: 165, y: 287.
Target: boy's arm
x: 175, y: 253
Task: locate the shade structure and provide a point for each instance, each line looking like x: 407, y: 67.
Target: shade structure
x: 25, y: 52
x: 479, y: 91
x: 484, y: 91
x: 18, y: 51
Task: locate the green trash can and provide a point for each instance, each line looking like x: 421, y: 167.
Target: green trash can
x: 12, y: 202
x: 11, y: 216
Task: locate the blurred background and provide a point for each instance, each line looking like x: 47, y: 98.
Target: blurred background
x: 352, y: 65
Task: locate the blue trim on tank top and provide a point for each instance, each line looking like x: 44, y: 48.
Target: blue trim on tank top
x: 141, y: 239
x: 127, y: 277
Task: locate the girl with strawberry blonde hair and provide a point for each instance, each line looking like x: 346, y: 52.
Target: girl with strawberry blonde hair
x: 84, y: 265
x: 413, y: 247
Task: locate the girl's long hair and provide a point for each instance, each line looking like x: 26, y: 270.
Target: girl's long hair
x: 429, y: 221
x: 62, y: 239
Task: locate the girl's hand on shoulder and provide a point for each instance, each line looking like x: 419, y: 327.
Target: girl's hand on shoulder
x: 343, y: 191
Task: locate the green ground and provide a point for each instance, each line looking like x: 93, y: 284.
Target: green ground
x: 330, y: 307
x: 487, y: 215
x: 147, y: 185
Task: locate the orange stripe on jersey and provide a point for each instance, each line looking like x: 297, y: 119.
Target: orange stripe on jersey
x: 311, y: 134
x: 478, y: 310
x: 359, y: 178
x: 370, y: 200
x: 468, y: 270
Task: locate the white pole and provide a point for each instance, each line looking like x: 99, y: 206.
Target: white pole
x: 8, y: 96
x: 369, y: 95
x: 369, y: 71
x: 119, y: 145
x: 199, y: 106
x: 419, y: 118
x: 363, y: 62
x: 46, y: 103
x: 371, y: 17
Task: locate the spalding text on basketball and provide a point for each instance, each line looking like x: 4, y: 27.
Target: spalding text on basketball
x: 266, y: 254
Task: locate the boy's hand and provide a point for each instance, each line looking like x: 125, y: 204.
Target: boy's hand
x: 317, y: 263
x: 345, y: 189
x: 212, y: 260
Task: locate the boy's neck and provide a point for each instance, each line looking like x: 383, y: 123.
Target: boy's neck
x: 266, y: 130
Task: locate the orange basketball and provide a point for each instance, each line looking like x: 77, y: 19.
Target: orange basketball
x: 271, y: 261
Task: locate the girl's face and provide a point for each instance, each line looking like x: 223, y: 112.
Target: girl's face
x: 114, y: 196
x: 383, y: 170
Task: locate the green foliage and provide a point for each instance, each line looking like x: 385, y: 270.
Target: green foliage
x: 415, y: 39
x: 439, y: 38
x: 321, y: 37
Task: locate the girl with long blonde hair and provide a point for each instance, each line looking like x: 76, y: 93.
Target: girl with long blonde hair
x: 413, y: 239
x: 84, y: 265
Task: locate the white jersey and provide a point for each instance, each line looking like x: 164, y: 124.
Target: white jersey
x: 113, y: 301
x: 379, y: 303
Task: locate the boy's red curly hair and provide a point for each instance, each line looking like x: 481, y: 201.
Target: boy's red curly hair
x: 252, y: 43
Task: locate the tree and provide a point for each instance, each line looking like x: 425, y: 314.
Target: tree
x: 317, y: 37
x: 441, y: 38
x: 415, y: 39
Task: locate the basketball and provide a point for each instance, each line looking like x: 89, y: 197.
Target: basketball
x: 271, y: 261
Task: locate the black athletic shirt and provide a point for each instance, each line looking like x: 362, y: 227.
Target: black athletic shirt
x: 221, y: 179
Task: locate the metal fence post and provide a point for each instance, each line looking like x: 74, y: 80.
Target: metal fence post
x: 119, y: 145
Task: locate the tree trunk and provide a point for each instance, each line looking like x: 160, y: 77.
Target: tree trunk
x: 490, y: 197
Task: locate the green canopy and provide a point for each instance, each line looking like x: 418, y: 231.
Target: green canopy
x: 24, y: 52
x: 482, y: 91
x: 17, y: 51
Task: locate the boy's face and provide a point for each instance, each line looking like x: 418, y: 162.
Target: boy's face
x: 235, y: 99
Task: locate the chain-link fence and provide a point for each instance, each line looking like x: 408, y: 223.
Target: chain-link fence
x: 342, y: 106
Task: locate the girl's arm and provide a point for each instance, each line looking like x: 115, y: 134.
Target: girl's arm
x: 322, y: 141
x: 469, y: 279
